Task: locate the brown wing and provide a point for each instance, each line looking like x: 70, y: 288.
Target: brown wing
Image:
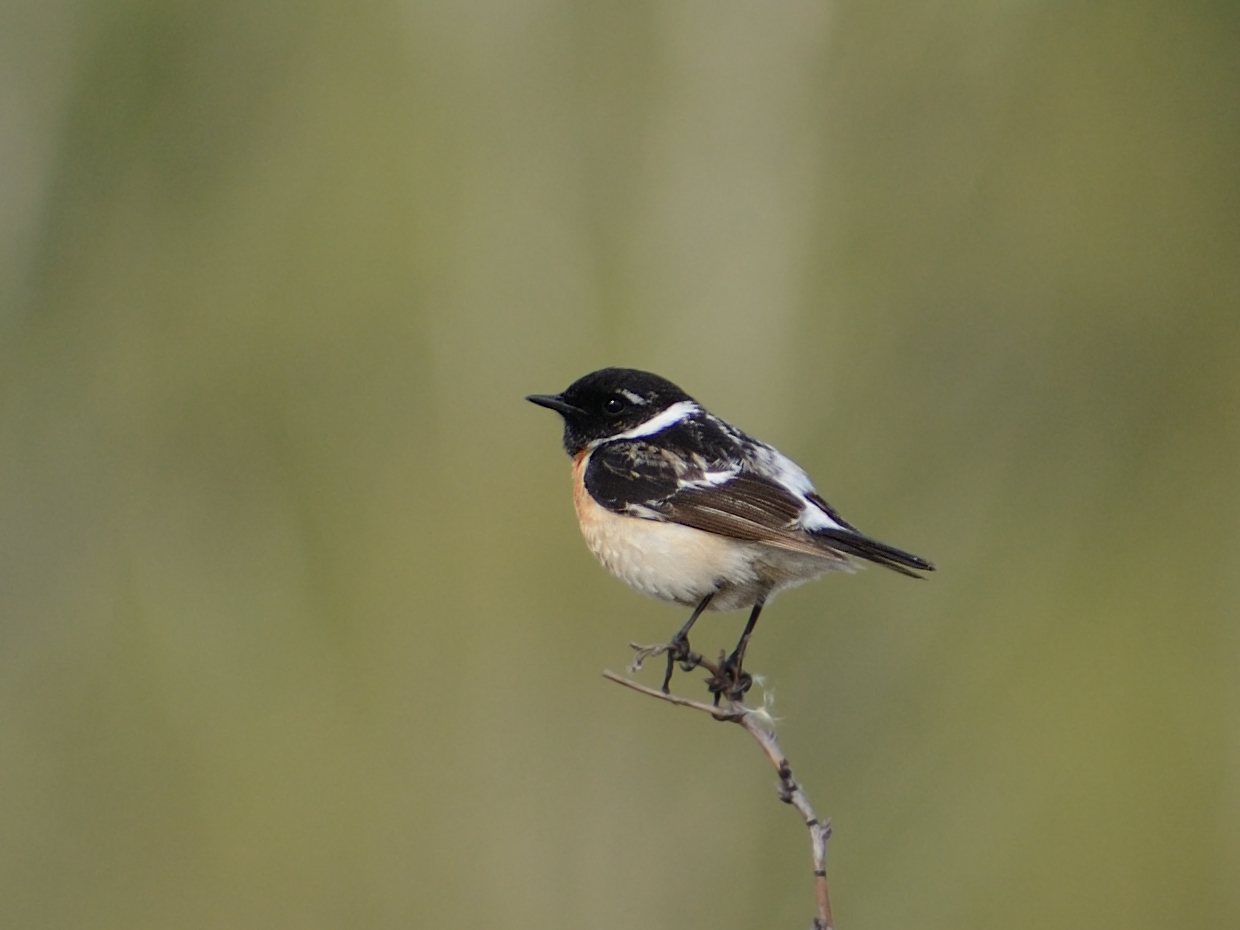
x: 644, y: 480
x: 751, y: 508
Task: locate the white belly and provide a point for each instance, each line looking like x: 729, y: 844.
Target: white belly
x: 681, y: 564
x: 669, y: 561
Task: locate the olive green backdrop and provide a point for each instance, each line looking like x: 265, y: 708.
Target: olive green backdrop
x: 296, y: 629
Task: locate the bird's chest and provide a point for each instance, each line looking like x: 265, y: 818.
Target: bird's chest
x: 663, y: 560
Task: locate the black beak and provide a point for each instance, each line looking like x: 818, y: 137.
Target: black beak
x: 554, y: 402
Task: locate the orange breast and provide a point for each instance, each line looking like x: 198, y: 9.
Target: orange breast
x: 581, y: 497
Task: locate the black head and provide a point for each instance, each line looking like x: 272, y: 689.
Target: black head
x: 609, y: 402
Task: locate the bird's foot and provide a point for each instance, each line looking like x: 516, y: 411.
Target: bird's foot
x: 678, y: 651
x: 731, y: 681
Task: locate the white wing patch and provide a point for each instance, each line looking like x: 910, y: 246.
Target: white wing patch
x: 708, y: 479
x: 786, y: 472
x: 792, y: 476
x: 813, y: 518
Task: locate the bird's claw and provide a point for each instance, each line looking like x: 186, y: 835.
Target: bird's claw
x: 678, y: 651
x: 731, y: 682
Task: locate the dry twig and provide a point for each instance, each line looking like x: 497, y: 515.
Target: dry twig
x: 758, y: 724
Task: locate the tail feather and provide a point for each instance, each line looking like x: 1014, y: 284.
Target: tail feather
x: 863, y: 547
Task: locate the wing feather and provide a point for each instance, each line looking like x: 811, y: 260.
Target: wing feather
x: 645, y: 480
x: 752, y: 509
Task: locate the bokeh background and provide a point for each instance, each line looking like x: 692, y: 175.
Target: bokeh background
x: 296, y: 629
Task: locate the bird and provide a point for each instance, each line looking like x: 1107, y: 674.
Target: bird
x: 684, y: 507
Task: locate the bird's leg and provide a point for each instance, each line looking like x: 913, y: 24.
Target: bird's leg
x: 732, y: 680
x: 678, y: 648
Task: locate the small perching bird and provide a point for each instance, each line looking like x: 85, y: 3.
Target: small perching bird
x: 683, y: 506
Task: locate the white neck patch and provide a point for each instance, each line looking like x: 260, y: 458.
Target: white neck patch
x: 674, y: 414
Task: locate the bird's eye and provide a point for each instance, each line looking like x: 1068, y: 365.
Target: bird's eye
x: 613, y: 405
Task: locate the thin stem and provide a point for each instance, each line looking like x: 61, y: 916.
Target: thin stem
x: 758, y: 726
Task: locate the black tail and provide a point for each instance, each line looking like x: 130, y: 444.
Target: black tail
x: 853, y: 543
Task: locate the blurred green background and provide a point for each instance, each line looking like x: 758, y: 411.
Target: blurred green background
x: 296, y: 628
